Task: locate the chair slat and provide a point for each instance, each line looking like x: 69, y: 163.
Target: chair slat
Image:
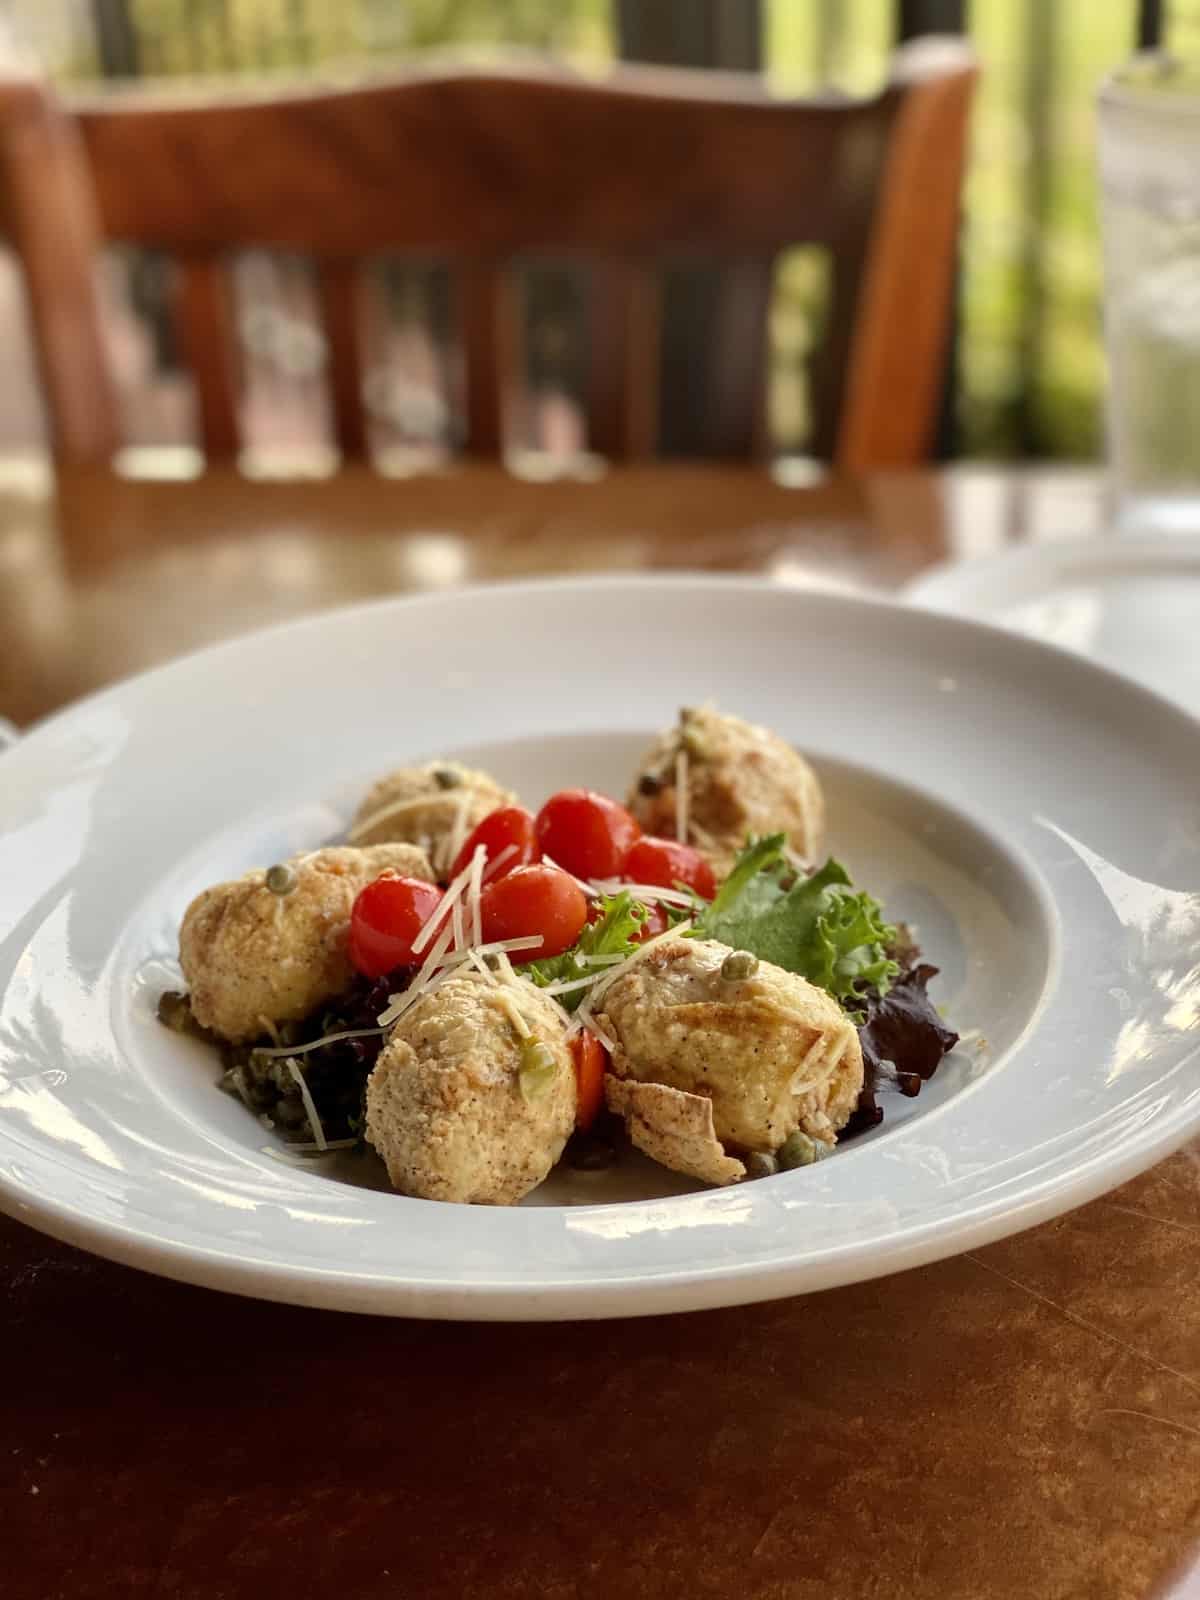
x: 903, y: 313
x: 339, y: 293
x: 626, y: 316
x: 206, y: 329
x: 491, y: 169
x: 50, y: 215
x: 489, y: 326
x: 736, y: 425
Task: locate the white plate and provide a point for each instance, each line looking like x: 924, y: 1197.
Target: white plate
x: 1039, y: 817
x: 1132, y: 603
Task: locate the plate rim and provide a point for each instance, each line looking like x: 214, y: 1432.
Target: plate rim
x: 631, y: 1295
x: 951, y: 587
x: 634, y: 1294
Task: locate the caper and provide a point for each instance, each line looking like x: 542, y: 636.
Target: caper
x: 648, y: 784
x: 175, y: 1011
x: 537, y: 1070
x: 447, y: 777
x: 739, y: 964
x: 281, y: 879
x: 761, y: 1164
x: 797, y: 1150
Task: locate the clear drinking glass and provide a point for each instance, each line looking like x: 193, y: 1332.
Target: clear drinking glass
x: 1149, y: 129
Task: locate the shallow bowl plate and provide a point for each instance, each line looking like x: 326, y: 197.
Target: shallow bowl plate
x: 1037, y: 817
x: 1132, y: 603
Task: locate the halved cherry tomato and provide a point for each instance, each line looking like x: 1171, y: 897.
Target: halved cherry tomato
x: 666, y: 862
x: 510, y: 825
x: 534, y: 900
x: 585, y: 832
x: 591, y: 1062
x: 655, y: 923
x: 385, y: 919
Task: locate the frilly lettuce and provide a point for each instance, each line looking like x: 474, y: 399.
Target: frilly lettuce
x: 819, y: 926
x: 613, y: 933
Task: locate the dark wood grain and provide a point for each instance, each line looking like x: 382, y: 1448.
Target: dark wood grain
x: 488, y: 319
x: 625, y: 360
x: 339, y: 291
x: 906, y: 294
x: 482, y: 168
x: 50, y: 213
x: 206, y: 329
x: 1023, y: 1422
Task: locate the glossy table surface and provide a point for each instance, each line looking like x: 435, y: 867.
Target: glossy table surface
x: 1022, y: 1421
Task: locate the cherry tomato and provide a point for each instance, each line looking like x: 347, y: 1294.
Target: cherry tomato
x: 511, y: 825
x: 654, y: 924
x: 585, y: 832
x: 664, y: 863
x: 385, y: 919
x: 534, y: 900
x: 591, y: 1063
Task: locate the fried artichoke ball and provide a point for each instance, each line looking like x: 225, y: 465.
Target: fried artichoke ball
x: 461, y: 1106
x: 772, y: 1052
x: 741, y: 780
x: 253, y: 957
x: 431, y: 806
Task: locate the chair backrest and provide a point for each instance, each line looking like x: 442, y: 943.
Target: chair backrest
x: 632, y: 171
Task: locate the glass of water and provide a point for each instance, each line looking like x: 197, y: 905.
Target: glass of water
x: 1149, y: 128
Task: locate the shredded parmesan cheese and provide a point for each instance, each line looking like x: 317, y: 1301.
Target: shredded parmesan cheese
x: 397, y: 808
x: 644, y: 891
x: 512, y: 1010
x: 567, y: 1016
x: 501, y: 947
x: 566, y: 987
x: 330, y: 1144
x: 588, y: 1021
x: 440, y: 965
x: 444, y: 906
x: 432, y: 962
x: 310, y: 1108
x: 474, y: 889
x: 681, y: 797
x: 271, y: 1031
x: 494, y: 865
x: 588, y: 889
x: 480, y: 965
x: 460, y: 932
x: 316, y: 1044
x: 404, y: 1002
x: 506, y: 966
x: 607, y: 979
x: 457, y: 836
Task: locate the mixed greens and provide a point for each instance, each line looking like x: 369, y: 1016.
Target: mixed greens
x: 834, y: 935
x: 609, y: 938
x: 308, y: 1086
x: 819, y: 926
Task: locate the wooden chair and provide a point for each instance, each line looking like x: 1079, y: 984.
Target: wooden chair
x: 629, y: 172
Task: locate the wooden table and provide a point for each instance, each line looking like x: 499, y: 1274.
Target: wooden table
x: 1023, y: 1421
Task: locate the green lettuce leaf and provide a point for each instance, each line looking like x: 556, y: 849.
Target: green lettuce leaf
x: 612, y: 934
x: 820, y: 926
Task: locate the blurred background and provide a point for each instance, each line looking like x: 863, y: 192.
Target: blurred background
x: 1026, y: 365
